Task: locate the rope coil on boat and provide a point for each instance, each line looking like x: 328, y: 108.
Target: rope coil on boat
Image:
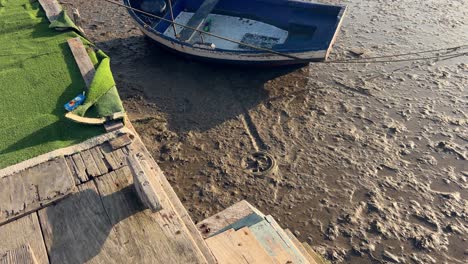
x: 447, y: 56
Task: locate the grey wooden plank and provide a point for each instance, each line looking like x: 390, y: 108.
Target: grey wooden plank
x: 138, y: 146
x: 51, y: 8
x: 72, y: 166
x: 99, y: 160
x: 90, y: 165
x: 197, y: 19
x: 120, y: 157
x: 78, y: 230
x: 24, y: 231
x: 80, y: 167
x: 159, y: 237
x: 20, y: 255
x: 239, y: 215
x: 34, y: 188
x: 145, y: 190
x: 106, y: 151
x: 82, y: 60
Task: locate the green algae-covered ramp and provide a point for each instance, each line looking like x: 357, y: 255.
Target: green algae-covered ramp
x: 38, y: 75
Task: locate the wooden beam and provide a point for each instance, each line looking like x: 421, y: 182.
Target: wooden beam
x: 24, y: 231
x: 34, y: 188
x: 299, y: 246
x: 172, y: 196
x: 82, y: 59
x: 52, y: 9
x: 21, y: 255
x: 145, y: 189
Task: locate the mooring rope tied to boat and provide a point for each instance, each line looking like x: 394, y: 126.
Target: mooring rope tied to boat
x: 346, y: 61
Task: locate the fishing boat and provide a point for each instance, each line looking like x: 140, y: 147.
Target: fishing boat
x: 241, y: 31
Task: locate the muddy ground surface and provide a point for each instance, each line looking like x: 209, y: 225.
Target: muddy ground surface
x: 371, y: 158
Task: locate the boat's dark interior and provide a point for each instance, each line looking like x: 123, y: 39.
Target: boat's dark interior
x: 311, y: 26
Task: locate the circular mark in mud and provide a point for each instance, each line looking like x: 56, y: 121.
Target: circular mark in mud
x: 259, y: 163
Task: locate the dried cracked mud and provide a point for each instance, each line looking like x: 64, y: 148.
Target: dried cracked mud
x: 371, y: 159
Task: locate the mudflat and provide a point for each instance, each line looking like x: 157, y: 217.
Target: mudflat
x: 371, y: 158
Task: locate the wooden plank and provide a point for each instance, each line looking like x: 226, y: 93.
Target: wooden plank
x: 197, y: 19
x: 225, y: 249
x: 250, y: 248
x: 34, y: 188
x: 80, y: 168
x: 78, y: 230
x: 236, y: 216
x: 317, y: 257
x: 51, y: 8
x: 292, y: 249
x: 137, y: 146
x: 120, y: 141
x: 273, y: 243
x: 110, y: 159
x: 89, y: 163
x: 144, y: 188
x: 299, y: 246
x: 21, y: 255
x: 72, y: 166
x: 120, y: 157
x: 82, y: 60
x: 24, y: 231
x: 149, y: 237
x: 99, y: 160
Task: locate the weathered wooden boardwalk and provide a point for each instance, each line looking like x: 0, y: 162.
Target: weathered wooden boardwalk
x: 84, y: 208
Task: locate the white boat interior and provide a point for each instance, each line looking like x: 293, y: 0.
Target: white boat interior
x: 240, y: 29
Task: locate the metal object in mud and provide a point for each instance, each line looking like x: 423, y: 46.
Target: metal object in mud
x: 260, y: 164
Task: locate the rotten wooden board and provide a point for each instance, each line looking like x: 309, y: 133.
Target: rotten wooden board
x: 110, y: 156
x: 154, y: 237
x: 120, y: 141
x: 89, y: 163
x: 236, y: 216
x: 51, y: 8
x: 24, y: 231
x: 82, y: 60
x: 144, y: 187
x: 80, y: 168
x: 21, y: 255
x: 99, y: 160
x: 34, y: 188
x: 138, y: 146
x: 299, y: 246
x: 78, y: 230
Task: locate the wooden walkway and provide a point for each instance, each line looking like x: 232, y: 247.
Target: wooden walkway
x: 84, y: 208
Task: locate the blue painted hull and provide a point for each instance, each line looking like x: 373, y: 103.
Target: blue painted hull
x: 312, y: 29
